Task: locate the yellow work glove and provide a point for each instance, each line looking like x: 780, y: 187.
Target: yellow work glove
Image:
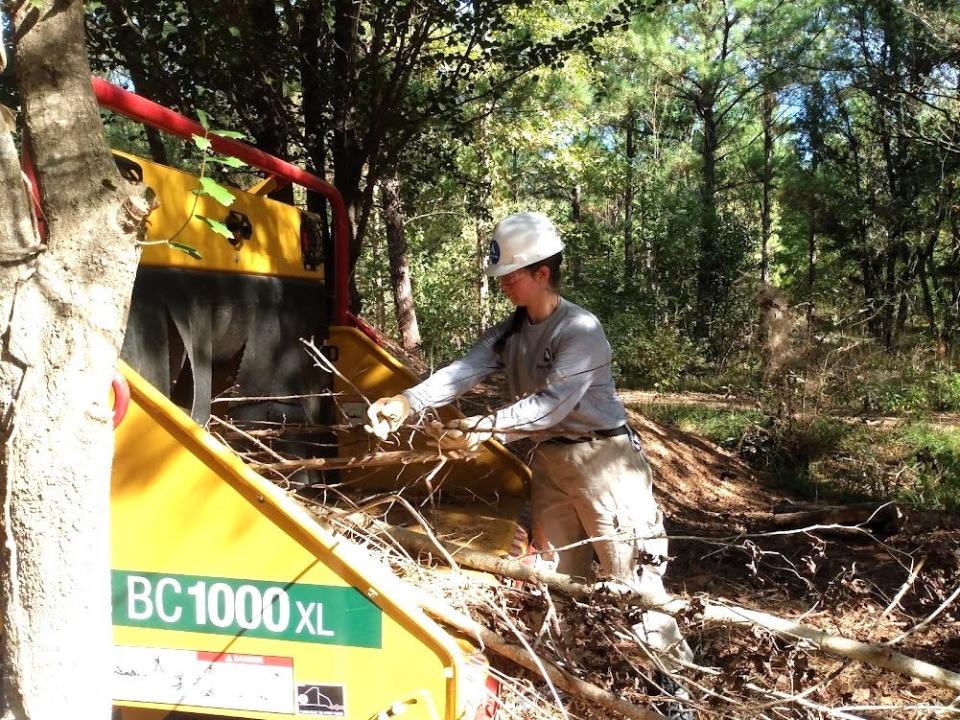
x: 386, y: 415
x: 463, y: 435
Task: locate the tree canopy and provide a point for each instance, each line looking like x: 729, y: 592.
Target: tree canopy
x: 692, y: 152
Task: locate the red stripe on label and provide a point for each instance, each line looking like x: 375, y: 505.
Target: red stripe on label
x: 235, y: 659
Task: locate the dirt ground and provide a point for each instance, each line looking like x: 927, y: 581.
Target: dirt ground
x: 729, y: 542
x: 840, y: 580
x: 700, y: 484
x: 725, y: 544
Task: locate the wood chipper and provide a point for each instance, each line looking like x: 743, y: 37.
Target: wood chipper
x: 229, y: 599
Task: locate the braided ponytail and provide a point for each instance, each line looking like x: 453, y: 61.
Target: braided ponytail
x: 516, y: 322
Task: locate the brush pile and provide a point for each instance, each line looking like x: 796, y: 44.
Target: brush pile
x: 839, y: 620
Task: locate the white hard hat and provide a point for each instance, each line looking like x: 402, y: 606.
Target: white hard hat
x: 520, y: 240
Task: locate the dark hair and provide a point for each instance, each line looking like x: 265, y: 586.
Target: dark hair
x: 520, y: 314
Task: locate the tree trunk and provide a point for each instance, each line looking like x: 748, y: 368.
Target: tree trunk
x: 629, y: 251
x: 483, y: 220
x: 313, y: 39
x: 950, y: 307
x: 129, y: 43
x: 889, y: 292
x: 908, y: 271
x: 400, y: 281
x: 62, y: 311
x: 708, y: 271
x: 379, y: 304
x: 575, y: 252
x: 926, y: 269
x: 483, y: 231
x: 871, y: 270
x: 815, y: 115
x: 767, y: 105
x: 270, y: 116
x: 348, y: 155
x: 811, y: 272
x: 649, y: 279
x: 928, y: 302
x: 871, y: 261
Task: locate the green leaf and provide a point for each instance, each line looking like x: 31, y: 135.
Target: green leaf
x: 230, y: 134
x: 218, y: 227
x: 201, y: 142
x: 234, y: 30
x: 227, y: 160
x: 191, y: 251
x: 218, y: 192
x: 204, y: 120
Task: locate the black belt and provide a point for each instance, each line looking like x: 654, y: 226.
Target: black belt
x: 598, y: 435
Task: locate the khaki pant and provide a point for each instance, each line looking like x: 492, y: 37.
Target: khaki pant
x: 604, y: 489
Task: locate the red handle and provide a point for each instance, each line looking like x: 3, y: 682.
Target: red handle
x: 150, y: 113
x: 121, y: 398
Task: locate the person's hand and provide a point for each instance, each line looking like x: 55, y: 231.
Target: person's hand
x: 463, y: 435
x: 386, y: 415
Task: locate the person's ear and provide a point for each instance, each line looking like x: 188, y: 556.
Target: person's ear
x: 543, y: 275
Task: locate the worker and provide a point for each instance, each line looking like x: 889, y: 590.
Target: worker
x: 592, y: 488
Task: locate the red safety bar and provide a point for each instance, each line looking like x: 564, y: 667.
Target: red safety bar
x: 365, y: 327
x: 150, y: 113
x: 121, y: 398
x: 26, y: 164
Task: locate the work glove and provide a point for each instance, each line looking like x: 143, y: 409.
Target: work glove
x: 386, y: 415
x: 463, y: 435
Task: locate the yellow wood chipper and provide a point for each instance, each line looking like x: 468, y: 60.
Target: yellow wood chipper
x: 229, y: 599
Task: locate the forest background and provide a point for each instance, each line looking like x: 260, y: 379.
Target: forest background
x: 758, y: 196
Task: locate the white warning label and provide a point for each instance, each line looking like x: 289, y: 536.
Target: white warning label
x: 204, y: 679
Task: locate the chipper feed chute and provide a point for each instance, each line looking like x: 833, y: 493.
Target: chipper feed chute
x: 230, y: 600
x: 477, y: 503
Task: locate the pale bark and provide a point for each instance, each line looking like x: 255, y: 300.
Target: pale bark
x: 62, y: 313
x: 483, y: 213
x: 816, y: 139
x: 811, y: 273
x: 574, y: 253
x: 709, y: 270
x: 483, y: 231
x: 629, y: 249
x: 374, y: 459
x: 848, y: 518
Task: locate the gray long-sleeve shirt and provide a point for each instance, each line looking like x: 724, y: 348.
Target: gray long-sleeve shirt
x: 559, y: 368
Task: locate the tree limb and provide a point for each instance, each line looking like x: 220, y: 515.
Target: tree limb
x: 373, y: 459
x: 709, y: 612
x: 562, y: 679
